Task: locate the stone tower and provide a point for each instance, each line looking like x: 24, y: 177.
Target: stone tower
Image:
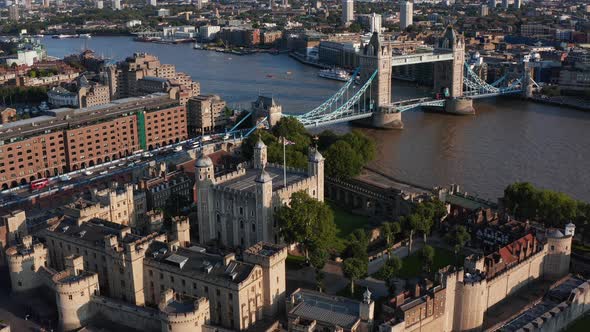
x: 450, y: 74
x: 367, y: 307
x: 316, y: 169
x: 263, y: 208
x: 377, y: 56
x: 204, y: 181
x: 559, y: 249
x: 260, y: 155
x: 181, y: 230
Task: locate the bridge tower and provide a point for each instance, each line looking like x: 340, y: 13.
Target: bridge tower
x: 449, y: 74
x: 377, y: 57
x: 527, y: 83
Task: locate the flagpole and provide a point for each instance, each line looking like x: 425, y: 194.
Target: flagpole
x: 284, y: 164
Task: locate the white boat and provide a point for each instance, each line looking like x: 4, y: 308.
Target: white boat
x: 335, y: 74
x: 85, y: 35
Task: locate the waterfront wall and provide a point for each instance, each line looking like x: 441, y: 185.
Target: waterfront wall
x: 564, y: 314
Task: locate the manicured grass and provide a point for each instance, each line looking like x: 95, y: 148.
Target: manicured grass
x: 346, y: 223
x: 581, y: 247
x: 581, y: 325
x: 412, y: 265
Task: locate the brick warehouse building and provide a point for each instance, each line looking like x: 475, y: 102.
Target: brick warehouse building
x: 70, y: 139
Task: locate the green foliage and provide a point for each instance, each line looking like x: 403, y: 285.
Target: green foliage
x: 354, y: 269
x: 428, y: 257
x: 355, y: 28
x: 346, y: 155
x: 12, y: 94
x: 391, y: 269
x: 342, y: 161
x: 551, y: 208
x: 309, y: 222
x: 458, y: 237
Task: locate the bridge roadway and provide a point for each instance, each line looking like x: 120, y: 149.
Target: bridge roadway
x: 82, y: 177
x: 416, y: 58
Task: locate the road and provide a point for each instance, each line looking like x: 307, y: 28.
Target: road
x: 80, y: 178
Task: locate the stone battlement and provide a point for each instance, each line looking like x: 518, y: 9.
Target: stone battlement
x: 230, y: 176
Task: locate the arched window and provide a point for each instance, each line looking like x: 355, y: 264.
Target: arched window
x: 253, y: 227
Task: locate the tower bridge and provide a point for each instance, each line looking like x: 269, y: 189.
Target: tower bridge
x: 370, y: 101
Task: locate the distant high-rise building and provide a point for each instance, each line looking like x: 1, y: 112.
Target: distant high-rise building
x: 13, y: 12
x: 505, y: 4
x: 317, y: 4
x: 45, y: 3
x: 199, y: 4
x: 99, y: 4
x: 484, y: 10
x: 347, y: 11
x: 375, y: 23
x: 58, y: 3
x: 117, y: 4
x: 27, y: 4
x: 152, y: 2
x: 517, y: 4
x: 406, y: 14
x: 492, y: 4
x: 285, y: 3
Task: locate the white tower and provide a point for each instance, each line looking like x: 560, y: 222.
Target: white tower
x: 204, y: 182
x: 117, y: 4
x: 262, y: 229
x: 347, y: 11
x: 406, y: 14
x: 492, y: 4
x: 260, y: 155
x: 316, y: 168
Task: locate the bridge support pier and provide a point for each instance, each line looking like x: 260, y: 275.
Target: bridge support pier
x: 387, y: 120
x: 460, y: 106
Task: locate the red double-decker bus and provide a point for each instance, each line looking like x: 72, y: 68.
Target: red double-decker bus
x: 39, y: 184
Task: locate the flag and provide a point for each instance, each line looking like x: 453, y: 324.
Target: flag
x: 287, y: 142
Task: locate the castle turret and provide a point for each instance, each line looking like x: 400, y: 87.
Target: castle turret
x: 316, y: 170
x: 260, y: 155
x: 271, y: 258
x: 24, y: 261
x: 559, y: 248
x: 367, y: 308
x: 263, y: 228
x: 182, y: 313
x: 204, y: 181
x: 73, y: 290
x: 181, y: 230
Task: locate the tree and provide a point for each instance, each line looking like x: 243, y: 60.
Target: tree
x: 428, y: 257
x: 342, y: 161
x: 458, y: 237
x: 308, y: 222
x: 391, y: 268
x: 354, y: 269
x: 386, y: 228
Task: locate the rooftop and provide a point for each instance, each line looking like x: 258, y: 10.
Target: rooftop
x: 94, y: 231
x: 247, y: 182
x: 317, y: 306
x: 196, y: 261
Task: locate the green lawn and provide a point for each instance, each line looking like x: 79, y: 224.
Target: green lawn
x: 295, y: 262
x: 412, y: 265
x: 581, y: 325
x: 346, y: 223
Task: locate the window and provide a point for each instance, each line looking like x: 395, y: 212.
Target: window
x: 69, y: 297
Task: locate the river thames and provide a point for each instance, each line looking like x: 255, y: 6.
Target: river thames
x: 508, y: 140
